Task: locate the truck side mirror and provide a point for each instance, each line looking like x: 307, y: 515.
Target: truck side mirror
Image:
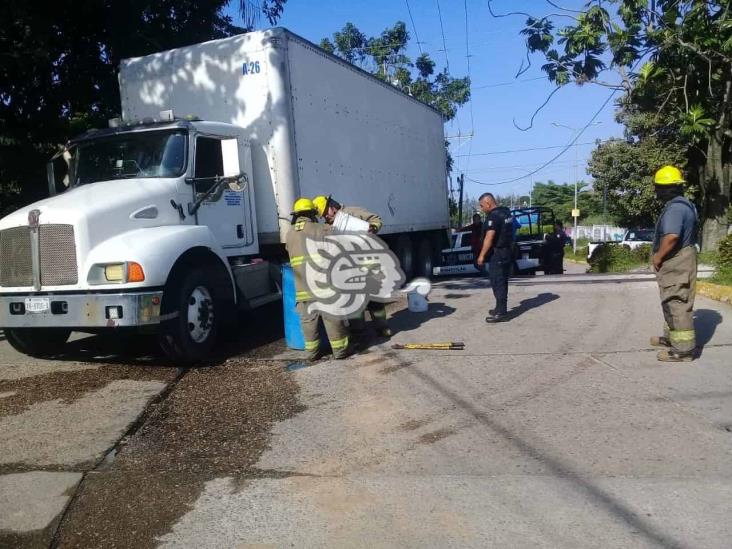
x: 58, y: 172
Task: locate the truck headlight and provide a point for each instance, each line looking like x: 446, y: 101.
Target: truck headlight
x: 116, y: 273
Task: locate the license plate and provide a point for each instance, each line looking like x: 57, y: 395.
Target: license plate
x: 37, y: 304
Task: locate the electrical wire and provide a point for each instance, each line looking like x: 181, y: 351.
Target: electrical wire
x: 470, y: 79
x: 444, y: 42
x: 507, y: 83
x: 509, y: 151
x: 560, y: 153
x: 414, y: 27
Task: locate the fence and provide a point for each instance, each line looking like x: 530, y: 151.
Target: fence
x: 597, y: 232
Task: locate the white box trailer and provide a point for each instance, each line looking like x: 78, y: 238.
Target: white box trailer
x: 317, y: 125
x: 150, y: 230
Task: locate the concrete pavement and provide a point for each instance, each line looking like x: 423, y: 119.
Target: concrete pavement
x: 58, y: 419
x: 557, y: 429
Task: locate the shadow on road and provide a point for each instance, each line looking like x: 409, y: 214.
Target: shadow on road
x: 705, y: 324
x: 253, y: 335
x: 532, y: 303
x: 405, y: 320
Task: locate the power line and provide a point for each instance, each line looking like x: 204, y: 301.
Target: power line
x: 485, y: 169
x: 444, y: 43
x: 560, y: 153
x: 507, y: 83
x: 530, y: 149
x: 414, y: 27
x: 572, y: 142
x: 470, y: 99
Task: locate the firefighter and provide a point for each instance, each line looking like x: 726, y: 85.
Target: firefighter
x: 327, y: 209
x: 675, y: 263
x: 305, y: 225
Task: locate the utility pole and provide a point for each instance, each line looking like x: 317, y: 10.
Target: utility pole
x: 461, y: 181
x: 604, y: 212
x: 575, y: 212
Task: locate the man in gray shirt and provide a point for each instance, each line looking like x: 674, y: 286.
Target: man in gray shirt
x: 675, y: 262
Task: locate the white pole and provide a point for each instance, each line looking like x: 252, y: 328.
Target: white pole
x: 531, y: 190
x: 576, y: 162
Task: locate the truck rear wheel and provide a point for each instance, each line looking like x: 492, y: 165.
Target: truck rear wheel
x: 405, y: 254
x: 425, y: 257
x: 198, y: 304
x: 39, y: 342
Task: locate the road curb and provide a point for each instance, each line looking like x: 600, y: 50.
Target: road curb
x: 715, y: 291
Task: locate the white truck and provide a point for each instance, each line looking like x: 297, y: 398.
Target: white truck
x: 176, y: 215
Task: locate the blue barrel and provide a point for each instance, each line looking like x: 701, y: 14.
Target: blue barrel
x: 293, y: 332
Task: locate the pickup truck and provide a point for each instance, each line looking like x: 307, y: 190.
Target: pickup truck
x: 632, y: 238
x: 531, y: 227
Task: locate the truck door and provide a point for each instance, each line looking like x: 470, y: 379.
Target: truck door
x: 228, y: 213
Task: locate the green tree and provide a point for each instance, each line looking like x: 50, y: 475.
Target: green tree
x: 626, y: 170
x: 385, y: 57
x: 58, y: 70
x: 674, y: 62
x: 560, y: 198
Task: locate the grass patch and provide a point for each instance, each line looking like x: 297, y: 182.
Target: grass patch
x: 709, y: 257
x: 580, y: 256
x: 723, y: 276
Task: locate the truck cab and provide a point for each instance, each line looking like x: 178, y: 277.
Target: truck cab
x: 154, y: 226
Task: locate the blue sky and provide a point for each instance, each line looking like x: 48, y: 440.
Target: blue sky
x: 498, y: 97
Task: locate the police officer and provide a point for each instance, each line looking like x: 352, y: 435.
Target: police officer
x: 327, y: 209
x: 305, y: 226
x: 498, y: 248
x: 554, y: 250
x: 674, y: 260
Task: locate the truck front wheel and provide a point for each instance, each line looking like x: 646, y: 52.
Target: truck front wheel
x: 194, y: 308
x: 38, y: 342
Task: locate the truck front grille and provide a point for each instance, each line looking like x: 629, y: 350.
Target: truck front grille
x: 57, y: 253
x: 16, y: 264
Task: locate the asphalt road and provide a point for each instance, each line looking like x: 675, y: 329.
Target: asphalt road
x: 556, y: 429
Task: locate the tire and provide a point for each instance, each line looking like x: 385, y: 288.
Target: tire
x: 38, y: 342
x: 405, y: 253
x: 425, y: 257
x: 202, y: 297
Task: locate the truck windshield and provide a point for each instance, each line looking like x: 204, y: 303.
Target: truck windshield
x: 135, y: 154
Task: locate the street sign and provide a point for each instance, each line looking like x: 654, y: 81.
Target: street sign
x: 575, y: 212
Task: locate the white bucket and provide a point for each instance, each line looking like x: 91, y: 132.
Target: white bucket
x: 345, y: 223
x: 417, y: 303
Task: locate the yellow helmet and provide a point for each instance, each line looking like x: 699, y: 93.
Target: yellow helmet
x: 668, y: 175
x: 303, y: 205
x: 321, y: 203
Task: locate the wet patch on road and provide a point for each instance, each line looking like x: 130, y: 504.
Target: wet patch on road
x: 414, y: 424
x: 68, y: 387
x: 434, y: 436
x: 215, y: 424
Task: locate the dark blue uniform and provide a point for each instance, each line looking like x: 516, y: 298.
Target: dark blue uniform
x: 500, y: 220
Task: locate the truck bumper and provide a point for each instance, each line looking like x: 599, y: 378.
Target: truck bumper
x: 80, y: 310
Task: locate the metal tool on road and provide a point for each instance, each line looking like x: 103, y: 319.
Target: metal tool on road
x: 444, y: 346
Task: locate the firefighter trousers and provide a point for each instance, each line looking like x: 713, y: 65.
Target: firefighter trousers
x: 378, y: 316
x: 335, y: 330
x: 677, y: 285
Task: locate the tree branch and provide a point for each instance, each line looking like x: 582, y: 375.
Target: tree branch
x: 544, y: 104
x: 561, y: 8
x: 524, y: 14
